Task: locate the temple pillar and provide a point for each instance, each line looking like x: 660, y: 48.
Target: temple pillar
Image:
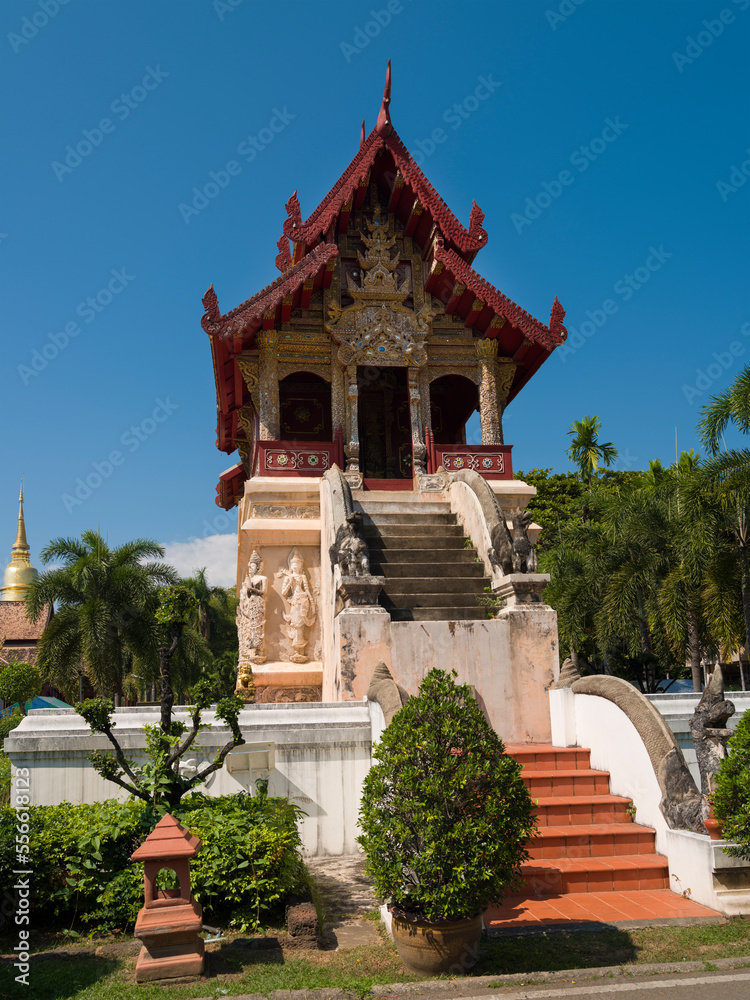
x: 490, y: 405
x: 338, y: 396
x: 268, y: 378
x: 424, y: 393
x: 352, y: 395
x: 418, y: 448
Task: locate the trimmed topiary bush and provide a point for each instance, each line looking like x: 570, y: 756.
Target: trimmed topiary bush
x: 731, y: 795
x: 445, y: 815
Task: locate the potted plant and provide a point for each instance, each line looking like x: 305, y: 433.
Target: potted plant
x: 445, y: 817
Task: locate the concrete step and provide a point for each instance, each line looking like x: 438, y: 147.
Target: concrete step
x: 601, y: 840
x: 438, y: 542
x: 410, y: 508
x: 429, y: 570
x: 428, y: 555
x: 404, y: 517
x: 436, y: 585
x: 613, y: 874
x: 574, y: 782
x: 438, y: 531
x: 455, y: 614
x: 446, y: 599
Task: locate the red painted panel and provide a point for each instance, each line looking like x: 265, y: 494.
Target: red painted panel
x: 493, y: 461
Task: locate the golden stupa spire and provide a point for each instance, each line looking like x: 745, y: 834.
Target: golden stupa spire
x: 20, y: 544
x: 19, y: 572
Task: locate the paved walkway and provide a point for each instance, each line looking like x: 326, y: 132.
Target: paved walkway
x: 655, y: 905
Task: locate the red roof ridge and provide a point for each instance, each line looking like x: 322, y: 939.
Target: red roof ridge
x: 549, y: 337
x: 467, y: 241
x: 216, y: 324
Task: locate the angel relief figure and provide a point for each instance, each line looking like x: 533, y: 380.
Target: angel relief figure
x: 296, y: 591
x: 251, y: 613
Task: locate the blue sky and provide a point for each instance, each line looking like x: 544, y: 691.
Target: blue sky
x: 607, y: 153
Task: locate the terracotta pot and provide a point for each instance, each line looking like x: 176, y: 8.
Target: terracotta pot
x: 432, y: 946
x: 714, y: 826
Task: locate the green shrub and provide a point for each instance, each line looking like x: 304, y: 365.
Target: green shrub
x: 7, y: 723
x: 445, y: 814
x: 731, y: 796
x: 249, y: 862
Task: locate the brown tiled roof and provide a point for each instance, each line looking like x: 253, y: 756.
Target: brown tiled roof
x: 15, y: 626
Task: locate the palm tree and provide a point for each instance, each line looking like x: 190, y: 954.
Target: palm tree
x: 586, y: 450
x: 213, y: 606
x: 106, y: 599
x: 730, y: 407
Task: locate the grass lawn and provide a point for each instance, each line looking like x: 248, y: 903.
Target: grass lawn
x: 103, y: 969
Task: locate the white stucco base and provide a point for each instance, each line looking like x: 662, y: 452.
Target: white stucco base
x: 317, y: 755
x: 511, y: 660
x: 700, y: 868
x: 588, y: 721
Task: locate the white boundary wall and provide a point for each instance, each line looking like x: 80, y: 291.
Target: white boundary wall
x: 315, y: 754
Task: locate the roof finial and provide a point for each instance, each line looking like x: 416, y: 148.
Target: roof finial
x: 362, y: 135
x: 20, y: 544
x: 384, y: 120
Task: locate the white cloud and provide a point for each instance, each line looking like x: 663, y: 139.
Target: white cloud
x: 217, y: 553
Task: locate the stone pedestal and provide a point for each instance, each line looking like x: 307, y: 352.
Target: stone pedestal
x: 361, y: 591
x: 170, y: 921
x: 521, y: 588
x: 288, y: 682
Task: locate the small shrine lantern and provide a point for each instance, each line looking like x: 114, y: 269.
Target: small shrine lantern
x: 170, y: 921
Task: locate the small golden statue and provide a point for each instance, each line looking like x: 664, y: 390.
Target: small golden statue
x: 245, y: 682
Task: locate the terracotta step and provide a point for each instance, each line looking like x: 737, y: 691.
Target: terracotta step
x: 525, y: 913
x: 579, y: 781
x: 560, y: 875
x: 543, y: 756
x: 591, y: 841
x: 566, y: 810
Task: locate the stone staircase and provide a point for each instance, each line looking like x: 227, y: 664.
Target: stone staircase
x: 431, y: 572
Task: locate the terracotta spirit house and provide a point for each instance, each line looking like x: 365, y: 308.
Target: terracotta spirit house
x: 346, y: 385
x: 170, y: 921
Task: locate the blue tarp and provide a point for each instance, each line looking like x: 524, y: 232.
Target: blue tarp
x: 41, y: 702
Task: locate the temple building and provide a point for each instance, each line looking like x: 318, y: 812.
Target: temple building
x: 345, y: 386
x: 19, y: 635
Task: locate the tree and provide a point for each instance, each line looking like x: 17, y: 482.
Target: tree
x: 159, y: 782
x: 19, y: 682
x: 730, y: 407
x: 105, y: 602
x: 586, y: 450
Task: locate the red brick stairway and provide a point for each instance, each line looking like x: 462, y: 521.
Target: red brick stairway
x: 589, y: 860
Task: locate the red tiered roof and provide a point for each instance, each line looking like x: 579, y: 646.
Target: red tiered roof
x: 448, y: 247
